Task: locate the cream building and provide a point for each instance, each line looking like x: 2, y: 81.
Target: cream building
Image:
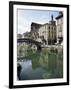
x: 52, y: 32
x: 43, y: 32
x: 59, y: 19
x: 48, y: 32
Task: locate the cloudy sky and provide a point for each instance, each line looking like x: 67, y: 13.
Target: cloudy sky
x: 26, y: 17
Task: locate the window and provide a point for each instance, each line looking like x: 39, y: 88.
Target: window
x: 49, y: 27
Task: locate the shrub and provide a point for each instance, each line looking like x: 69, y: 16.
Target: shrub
x: 55, y: 50
x: 52, y: 49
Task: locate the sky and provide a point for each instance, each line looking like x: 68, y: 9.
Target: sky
x: 26, y: 17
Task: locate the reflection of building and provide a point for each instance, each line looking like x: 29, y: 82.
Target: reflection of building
x: 59, y: 19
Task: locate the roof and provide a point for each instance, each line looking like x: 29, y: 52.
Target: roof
x: 45, y: 24
x: 59, y: 16
x: 33, y: 23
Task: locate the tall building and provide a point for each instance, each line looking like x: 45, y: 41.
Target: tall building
x: 43, y: 33
x: 47, y: 32
x: 59, y: 19
x: 34, y: 30
x: 52, y: 32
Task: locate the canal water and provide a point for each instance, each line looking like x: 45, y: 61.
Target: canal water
x: 43, y: 66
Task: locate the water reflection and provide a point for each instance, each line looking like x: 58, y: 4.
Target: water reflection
x: 41, y: 65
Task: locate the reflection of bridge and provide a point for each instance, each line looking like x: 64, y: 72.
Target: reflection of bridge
x: 38, y: 44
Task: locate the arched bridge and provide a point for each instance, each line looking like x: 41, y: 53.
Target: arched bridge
x: 38, y: 44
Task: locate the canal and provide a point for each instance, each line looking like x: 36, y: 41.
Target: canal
x: 41, y: 65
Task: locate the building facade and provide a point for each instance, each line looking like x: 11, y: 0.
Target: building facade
x: 47, y: 32
x: 52, y: 32
x: 34, y: 30
x: 59, y: 19
x: 43, y: 33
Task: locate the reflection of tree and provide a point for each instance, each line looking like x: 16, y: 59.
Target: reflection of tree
x: 40, y: 60
x: 44, y: 60
x: 55, y: 65
x: 60, y: 65
x: 35, y: 63
x: 35, y: 59
x: 20, y: 51
x: 52, y: 62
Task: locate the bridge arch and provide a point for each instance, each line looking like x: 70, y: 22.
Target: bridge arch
x: 38, y: 44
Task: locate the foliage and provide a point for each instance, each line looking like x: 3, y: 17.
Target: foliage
x: 54, y: 50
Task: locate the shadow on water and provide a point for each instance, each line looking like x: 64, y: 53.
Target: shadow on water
x: 19, y: 67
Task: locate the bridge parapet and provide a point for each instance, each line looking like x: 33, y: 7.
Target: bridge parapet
x: 38, y: 44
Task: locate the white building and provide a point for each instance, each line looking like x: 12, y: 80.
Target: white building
x: 59, y: 19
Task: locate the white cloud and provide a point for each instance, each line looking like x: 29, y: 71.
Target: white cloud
x: 23, y: 29
x: 23, y: 24
x: 26, y: 17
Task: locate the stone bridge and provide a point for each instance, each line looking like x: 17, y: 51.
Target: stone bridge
x: 38, y: 44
